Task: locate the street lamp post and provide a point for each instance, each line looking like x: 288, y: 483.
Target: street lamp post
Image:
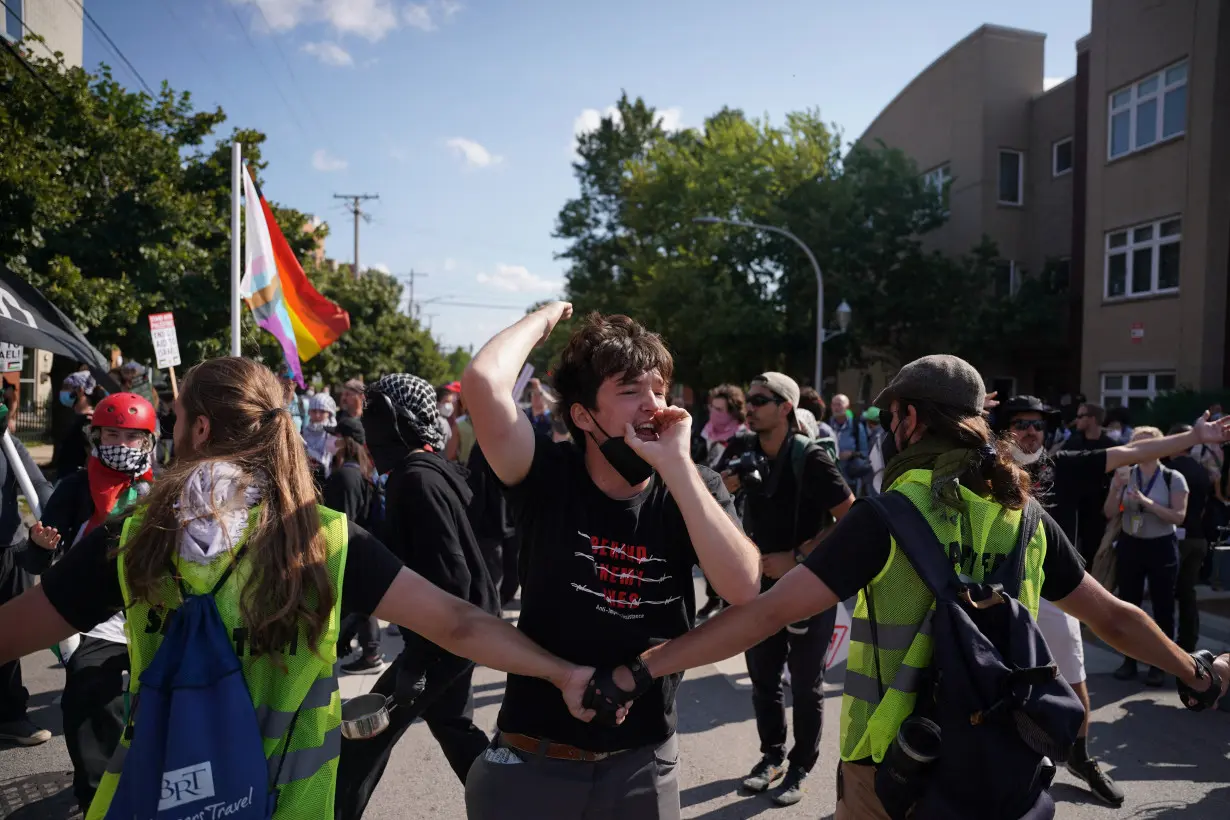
x: 843, y: 310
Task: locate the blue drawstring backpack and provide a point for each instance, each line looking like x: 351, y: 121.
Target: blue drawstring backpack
x: 196, y: 751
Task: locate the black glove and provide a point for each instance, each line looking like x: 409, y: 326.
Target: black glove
x: 1199, y: 701
x: 605, y: 696
x: 409, y: 683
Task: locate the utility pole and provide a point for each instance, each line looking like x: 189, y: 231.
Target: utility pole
x: 355, y: 206
x: 412, y: 275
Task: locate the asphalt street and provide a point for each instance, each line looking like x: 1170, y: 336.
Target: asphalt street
x: 1173, y: 764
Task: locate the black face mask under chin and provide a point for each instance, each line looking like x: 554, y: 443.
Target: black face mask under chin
x: 888, y: 446
x: 631, y: 467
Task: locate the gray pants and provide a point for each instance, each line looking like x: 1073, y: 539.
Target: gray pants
x: 639, y: 784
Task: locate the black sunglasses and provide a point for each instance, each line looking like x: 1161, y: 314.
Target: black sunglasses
x: 1029, y: 424
x: 760, y: 400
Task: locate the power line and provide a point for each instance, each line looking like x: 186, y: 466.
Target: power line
x: 115, y: 48
x: 307, y: 98
x: 169, y: 6
x: 20, y: 19
x: 276, y: 86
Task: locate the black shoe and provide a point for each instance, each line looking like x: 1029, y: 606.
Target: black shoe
x: 791, y: 790
x: 1155, y: 677
x: 23, y: 733
x: 711, y: 608
x: 364, y: 666
x: 767, y: 772
x: 1127, y: 671
x: 1099, y: 782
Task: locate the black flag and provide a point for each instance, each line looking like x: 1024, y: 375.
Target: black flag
x: 29, y: 320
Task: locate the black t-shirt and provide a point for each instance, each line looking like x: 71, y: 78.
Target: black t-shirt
x: 602, y: 580
x: 348, y: 492
x: 74, y: 449
x: 1063, y: 480
x: 769, y: 516
x: 84, y: 586
x: 857, y: 549
x: 1199, y: 490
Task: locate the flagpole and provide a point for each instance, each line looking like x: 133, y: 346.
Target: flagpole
x: 236, y: 188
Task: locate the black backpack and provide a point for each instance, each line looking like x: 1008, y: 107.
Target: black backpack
x: 992, y: 688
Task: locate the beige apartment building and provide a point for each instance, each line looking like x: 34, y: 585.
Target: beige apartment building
x: 1118, y: 179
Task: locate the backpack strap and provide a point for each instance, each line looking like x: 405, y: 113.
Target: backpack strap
x: 916, y: 538
x: 799, y: 447
x: 1031, y: 516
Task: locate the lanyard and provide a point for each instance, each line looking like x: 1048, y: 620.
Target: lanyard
x: 1140, y: 480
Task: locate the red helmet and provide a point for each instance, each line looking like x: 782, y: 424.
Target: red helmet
x: 127, y: 411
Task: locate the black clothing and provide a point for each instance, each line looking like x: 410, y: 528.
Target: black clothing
x: 804, y: 655
x: 1199, y: 491
x: 770, y: 516
x: 12, y: 530
x: 1063, y: 479
x: 94, y: 710
x: 446, y: 706
x: 1154, y: 559
x: 74, y: 448
x: 69, y: 507
x: 856, y: 551
x: 1091, y: 524
x: 84, y: 585
x: 603, y: 580
x: 348, y: 491
x: 13, y: 695
x: 1192, y: 552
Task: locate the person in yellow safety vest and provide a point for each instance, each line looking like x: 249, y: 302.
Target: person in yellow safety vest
x: 242, y: 478
x: 936, y: 429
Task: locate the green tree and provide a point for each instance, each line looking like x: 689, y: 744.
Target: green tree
x: 455, y: 364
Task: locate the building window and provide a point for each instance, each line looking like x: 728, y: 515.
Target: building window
x: 937, y: 179
x: 1134, y: 390
x: 1011, y: 177
x: 1007, y: 278
x: 12, y: 19
x: 1061, y: 157
x: 1147, y: 112
x: 1143, y: 260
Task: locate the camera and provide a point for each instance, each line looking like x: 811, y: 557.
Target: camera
x: 749, y: 466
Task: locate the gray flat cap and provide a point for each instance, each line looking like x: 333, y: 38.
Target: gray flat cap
x: 940, y: 378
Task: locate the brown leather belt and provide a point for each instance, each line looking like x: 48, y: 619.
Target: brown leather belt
x: 553, y: 751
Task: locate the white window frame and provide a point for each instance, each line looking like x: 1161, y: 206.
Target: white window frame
x: 1129, y: 250
x: 1020, y: 176
x: 1132, y: 107
x: 1123, y: 393
x: 937, y: 179
x: 1014, y: 276
x: 1055, y: 172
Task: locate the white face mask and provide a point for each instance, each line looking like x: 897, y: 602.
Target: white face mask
x: 445, y: 409
x: 1115, y: 435
x: 1023, y: 458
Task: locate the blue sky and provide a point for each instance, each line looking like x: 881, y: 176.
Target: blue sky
x: 461, y: 114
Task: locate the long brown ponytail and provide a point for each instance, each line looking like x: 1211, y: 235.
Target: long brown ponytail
x: 248, y: 427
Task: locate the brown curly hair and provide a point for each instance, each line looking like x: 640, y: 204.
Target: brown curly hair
x: 735, y: 403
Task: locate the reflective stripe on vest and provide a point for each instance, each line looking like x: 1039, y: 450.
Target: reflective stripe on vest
x: 302, y: 767
x: 905, y: 608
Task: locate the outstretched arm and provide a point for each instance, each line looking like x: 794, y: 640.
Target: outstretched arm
x: 1146, y: 449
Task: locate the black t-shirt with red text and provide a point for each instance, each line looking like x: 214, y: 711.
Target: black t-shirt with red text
x: 602, y: 579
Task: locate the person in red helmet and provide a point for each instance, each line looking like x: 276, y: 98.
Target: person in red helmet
x: 123, y: 433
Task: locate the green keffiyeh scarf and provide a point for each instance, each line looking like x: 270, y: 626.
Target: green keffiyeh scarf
x: 946, y: 462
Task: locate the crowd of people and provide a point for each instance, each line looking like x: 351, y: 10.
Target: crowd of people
x: 305, y: 516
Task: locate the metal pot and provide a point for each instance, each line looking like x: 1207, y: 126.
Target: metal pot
x: 366, y: 716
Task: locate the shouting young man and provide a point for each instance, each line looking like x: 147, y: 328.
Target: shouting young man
x: 612, y: 526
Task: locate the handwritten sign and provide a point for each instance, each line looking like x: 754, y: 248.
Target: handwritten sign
x: 10, y: 357
x: 166, y: 345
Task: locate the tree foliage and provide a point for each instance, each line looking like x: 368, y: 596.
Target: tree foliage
x: 114, y: 205
x: 733, y: 301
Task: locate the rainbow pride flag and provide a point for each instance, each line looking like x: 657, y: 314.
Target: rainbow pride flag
x: 279, y: 293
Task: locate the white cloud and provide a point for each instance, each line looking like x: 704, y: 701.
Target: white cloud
x: 475, y: 155
x: 322, y: 160
x: 418, y: 15
x: 517, y: 279
x: 450, y: 264
x: 329, y: 53
x: 1050, y: 82
x: 370, y: 19
x: 671, y: 119
x: 379, y: 266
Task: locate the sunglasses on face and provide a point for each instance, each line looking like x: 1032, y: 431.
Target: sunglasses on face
x: 760, y: 400
x: 1022, y: 425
